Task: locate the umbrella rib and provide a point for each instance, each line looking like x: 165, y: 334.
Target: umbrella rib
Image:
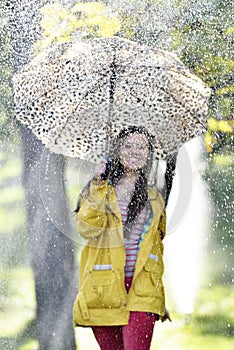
x: 175, y: 99
x: 52, y: 89
x: 111, y: 101
x: 75, y: 109
x: 170, y: 69
x: 187, y: 109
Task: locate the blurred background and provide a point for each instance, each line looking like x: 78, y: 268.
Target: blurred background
x: 39, y: 249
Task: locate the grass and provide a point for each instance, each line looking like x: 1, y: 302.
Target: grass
x: 181, y: 337
x: 211, y: 323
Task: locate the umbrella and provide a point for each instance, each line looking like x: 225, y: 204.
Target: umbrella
x: 76, y: 97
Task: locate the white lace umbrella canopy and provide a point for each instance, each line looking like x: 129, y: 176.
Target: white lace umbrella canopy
x: 76, y: 96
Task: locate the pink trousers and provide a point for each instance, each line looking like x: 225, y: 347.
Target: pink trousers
x: 136, y: 335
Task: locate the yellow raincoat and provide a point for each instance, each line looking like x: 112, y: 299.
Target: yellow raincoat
x: 102, y: 298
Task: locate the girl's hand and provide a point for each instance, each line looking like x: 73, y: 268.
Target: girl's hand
x: 100, y: 169
x: 166, y: 316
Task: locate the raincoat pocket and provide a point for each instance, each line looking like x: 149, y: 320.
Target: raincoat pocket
x: 154, y: 264
x: 149, y: 282
x: 101, y: 290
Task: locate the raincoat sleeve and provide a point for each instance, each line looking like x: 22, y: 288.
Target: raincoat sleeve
x: 91, y: 219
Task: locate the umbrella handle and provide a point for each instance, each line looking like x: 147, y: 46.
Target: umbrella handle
x: 111, y: 100
x: 169, y: 175
x: 105, y: 175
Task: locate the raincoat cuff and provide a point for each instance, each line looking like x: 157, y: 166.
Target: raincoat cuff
x: 99, y: 183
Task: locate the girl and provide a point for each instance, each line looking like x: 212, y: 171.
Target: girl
x: 121, y: 294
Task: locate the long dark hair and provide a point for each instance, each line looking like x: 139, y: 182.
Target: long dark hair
x: 115, y: 170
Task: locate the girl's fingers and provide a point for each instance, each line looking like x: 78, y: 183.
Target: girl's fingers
x: 100, y: 168
x: 166, y: 316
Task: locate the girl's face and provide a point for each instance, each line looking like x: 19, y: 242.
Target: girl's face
x: 134, y: 152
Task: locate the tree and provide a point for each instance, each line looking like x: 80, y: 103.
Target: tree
x: 51, y: 253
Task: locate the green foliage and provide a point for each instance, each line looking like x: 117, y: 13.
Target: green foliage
x: 6, y: 92
x: 18, y: 304
x: 13, y: 240
x: 219, y: 177
x: 219, y: 139
x: 147, y: 22
x: 11, y: 164
x: 204, y: 36
x: 83, y: 20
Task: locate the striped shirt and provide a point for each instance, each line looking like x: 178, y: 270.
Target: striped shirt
x: 132, y: 235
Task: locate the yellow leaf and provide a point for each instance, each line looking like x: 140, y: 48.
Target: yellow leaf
x: 208, y: 142
x: 224, y: 126
x: 213, y: 124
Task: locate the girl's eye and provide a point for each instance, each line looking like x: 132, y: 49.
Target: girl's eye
x: 140, y: 147
x: 136, y: 147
